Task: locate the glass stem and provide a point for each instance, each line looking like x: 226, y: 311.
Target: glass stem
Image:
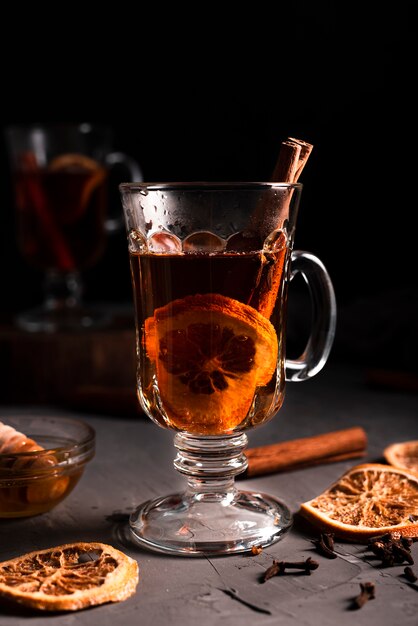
x: 211, y: 464
x: 62, y: 290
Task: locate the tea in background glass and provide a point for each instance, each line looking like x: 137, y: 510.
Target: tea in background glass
x: 60, y: 177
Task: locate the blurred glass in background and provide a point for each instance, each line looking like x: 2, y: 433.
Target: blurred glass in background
x: 61, y: 185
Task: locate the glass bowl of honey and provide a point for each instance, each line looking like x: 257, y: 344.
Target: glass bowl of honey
x: 42, y: 458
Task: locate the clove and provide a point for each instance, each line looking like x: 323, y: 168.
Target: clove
x: 271, y: 571
x: 325, y: 545
x: 410, y: 574
x: 367, y: 593
x: 406, y: 540
x: 402, y: 554
x: 278, y: 568
x: 386, y: 538
x: 328, y: 540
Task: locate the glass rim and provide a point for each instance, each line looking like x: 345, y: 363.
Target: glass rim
x: 208, y: 186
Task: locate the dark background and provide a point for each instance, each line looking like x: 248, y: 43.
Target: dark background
x: 210, y: 97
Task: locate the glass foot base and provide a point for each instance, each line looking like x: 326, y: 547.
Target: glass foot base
x: 72, y: 319
x: 208, y: 524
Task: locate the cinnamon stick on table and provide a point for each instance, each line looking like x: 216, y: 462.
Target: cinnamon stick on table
x: 325, y: 448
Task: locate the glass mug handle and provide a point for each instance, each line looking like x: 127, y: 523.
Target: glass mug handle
x: 324, y: 317
x: 134, y: 174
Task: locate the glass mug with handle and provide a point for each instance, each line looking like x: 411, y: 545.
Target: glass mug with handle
x: 61, y: 179
x: 210, y: 265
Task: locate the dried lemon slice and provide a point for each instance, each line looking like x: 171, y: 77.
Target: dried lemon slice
x: 403, y: 455
x: 211, y: 353
x: 69, y: 577
x: 368, y: 500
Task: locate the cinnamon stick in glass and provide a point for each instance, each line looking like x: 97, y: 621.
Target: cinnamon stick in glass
x: 325, y: 448
x: 287, y: 163
x: 293, y: 156
x: 52, y: 231
x: 303, y: 156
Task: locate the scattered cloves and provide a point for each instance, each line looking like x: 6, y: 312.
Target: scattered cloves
x: 278, y: 568
x: 367, y: 593
x: 383, y: 551
x: 392, y: 549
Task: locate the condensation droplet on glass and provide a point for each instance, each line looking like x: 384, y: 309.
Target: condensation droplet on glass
x: 276, y: 241
x: 143, y: 192
x: 204, y: 242
x: 164, y: 243
x: 137, y: 242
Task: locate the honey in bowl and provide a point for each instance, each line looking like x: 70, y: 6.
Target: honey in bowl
x: 38, y: 471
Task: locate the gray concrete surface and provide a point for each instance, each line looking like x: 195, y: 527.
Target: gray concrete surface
x: 133, y: 463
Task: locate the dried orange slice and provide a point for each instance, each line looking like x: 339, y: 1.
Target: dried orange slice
x: 69, y: 577
x: 368, y: 500
x: 76, y: 198
x: 73, y: 161
x: 403, y: 455
x: 211, y: 353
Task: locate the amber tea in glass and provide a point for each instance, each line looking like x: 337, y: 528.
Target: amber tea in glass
x: 211, y: 265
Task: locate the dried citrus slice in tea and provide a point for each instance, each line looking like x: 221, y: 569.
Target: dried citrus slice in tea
x: 368, y: 500
x: 403, y: 455
x: 69, y: 577
x: 73, y: 161
x: 211, y: 353
x: 88, y: 175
